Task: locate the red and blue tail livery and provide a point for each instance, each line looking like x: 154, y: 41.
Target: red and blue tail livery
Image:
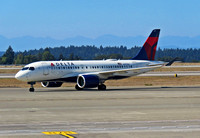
x: 148, y: 50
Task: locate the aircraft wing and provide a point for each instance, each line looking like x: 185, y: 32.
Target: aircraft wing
x: 122, y: 72
x: 75, y: 74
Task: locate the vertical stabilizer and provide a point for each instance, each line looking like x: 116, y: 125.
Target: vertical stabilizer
x: 148, y: 50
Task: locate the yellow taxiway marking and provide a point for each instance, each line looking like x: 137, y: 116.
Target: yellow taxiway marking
x: 67, y: 134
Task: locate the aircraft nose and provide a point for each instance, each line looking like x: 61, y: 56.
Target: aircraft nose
x: 17, y: 76
x: 20, y: 76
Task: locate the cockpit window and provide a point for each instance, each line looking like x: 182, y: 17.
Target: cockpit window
x: 31, y: 68
x: 28, y: 68
x: 25, y: 68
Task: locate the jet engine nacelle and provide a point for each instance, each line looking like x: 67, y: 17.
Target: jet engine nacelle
x: 87, y: 81
x: 51, y: 84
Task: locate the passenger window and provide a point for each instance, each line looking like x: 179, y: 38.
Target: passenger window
x: 31, y: 68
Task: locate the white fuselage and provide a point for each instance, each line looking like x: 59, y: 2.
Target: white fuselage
x: 59, y: 70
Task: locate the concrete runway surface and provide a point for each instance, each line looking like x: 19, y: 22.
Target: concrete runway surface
x: 118, y: 112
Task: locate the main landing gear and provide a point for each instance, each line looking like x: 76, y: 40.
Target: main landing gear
x: 102, y: 87
x: 32, y: 88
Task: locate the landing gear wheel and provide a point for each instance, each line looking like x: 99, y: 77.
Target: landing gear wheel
x: 78, y: 88
x: 31, y: 89
x: 102, y: 87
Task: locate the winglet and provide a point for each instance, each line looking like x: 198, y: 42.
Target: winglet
x: 148, y: 50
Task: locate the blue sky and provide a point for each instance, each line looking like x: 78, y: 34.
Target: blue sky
x: 92, y: 18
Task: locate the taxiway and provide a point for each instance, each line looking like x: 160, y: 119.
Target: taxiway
x: 116, y: 112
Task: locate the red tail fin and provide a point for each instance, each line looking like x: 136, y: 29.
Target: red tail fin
x: 148, y: 50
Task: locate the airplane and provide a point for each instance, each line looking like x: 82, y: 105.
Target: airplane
x: 91, y: 73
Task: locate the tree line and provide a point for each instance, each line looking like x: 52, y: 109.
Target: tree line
x: 93, y: 52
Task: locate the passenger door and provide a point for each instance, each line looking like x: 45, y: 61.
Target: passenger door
x: 45, y: 69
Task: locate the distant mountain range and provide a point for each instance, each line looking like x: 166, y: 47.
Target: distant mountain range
x: 29, y: 42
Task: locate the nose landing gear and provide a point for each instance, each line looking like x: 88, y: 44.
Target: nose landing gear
x: 32, y: 88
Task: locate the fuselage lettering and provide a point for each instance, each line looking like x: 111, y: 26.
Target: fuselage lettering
x: 65, y: 64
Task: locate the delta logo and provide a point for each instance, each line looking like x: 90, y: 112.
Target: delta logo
x: 62, y: 64
x: 52, y: 65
